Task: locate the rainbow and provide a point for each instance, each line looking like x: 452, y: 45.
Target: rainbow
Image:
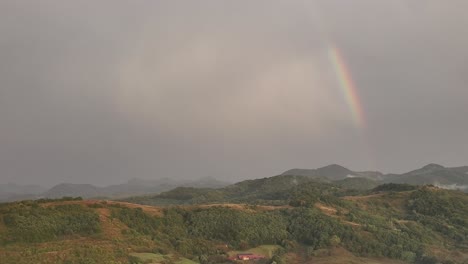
x: 347, y: 86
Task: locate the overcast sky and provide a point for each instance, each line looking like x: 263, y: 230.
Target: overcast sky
x: 104, y: 91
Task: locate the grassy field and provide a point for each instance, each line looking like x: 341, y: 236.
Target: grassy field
x: 146, y: 257
x: 333, y: 256
x: 185, y: 261
x: 341, y: 255
x: 264, y: 250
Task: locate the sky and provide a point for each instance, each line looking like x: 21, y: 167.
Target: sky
x: 104, y: 91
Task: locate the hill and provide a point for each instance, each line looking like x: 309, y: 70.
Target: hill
x: 334, y: 172
x: 292, y: 219
x: 315, y: 224
x: 330, y: 172
x: 357, y: 183
x: 271, y: 191
x: 448, y: 178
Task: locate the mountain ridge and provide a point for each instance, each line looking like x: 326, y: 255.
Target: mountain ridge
x: 435, y: 174
x: 132, y: 187
x: 292, y: 212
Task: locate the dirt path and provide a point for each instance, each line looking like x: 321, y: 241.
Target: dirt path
x: 152, y: 210
x: 366, y: 197
x: 328, y: 210
x: 244, y: 207
x: 111, y: 227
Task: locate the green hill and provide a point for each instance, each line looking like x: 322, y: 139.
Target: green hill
x: 448, y: 178
x: 307, y: 222
x: 275, y: 190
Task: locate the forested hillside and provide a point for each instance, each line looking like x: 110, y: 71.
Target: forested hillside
x: 275, y: 190
x: 304, y: 223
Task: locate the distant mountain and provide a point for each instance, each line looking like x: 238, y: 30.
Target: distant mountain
x: 463, y: 169
x: 334, y: 172
x: 140, y: 186
x: 329, y: 179
x: 357, y: 183
x: 330, y: 172
x: 12, y: 191
x: 133, y: 187
x: 372, y: 175
x: 21, y: 189
x: 205, y: 182
x: 438, y: 175
x: 276, y: 188
x: 297, y: 183
x: 72, y: 190
x: 449, y: 178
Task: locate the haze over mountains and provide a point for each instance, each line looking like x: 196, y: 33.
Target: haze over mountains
x: 12, y: 190
x: 444, y: 177
x: 334, y: 172
x: 134, y: 186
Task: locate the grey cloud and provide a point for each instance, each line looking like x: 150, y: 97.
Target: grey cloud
x: 104, y: 91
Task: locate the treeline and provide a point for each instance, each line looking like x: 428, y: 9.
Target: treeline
x: 395, y: 187
x: 395, y: 220
x: 397, y: 223
x: 443, y: 211
x: 137, y: 220
x: 278, y: 190
x: 238, y: 228
x: 30, y: 222
x: 267, y: 190
x: 196, y: 233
